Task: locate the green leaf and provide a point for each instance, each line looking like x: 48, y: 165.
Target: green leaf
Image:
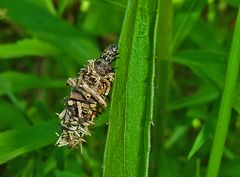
x: 204, y: 95
x: 102, y: 119
x: 49, y: 5
x: 162, y: 79
x: 205, y: 37
x: 16, y: 82
x: 198, y: 168
x: 127, y: 147
x: 236, y: 99
x: 176, y: 136
x: 208, y: 65
x: 11, y: 117
x: 38, y: 22
x: 231, y: 168
x: 225, y: 110
x: 235, y: 3
x: 211, y: 66
x: 100, y: 12
x: 46, y: 4
x: 119, y: 4
x: 169, y: 166
x: 67, y: 173
x: 19, y: 141
x: 26, y: 47
x: 205, y: 133
x: 184, y: 20
x: 62, y: 6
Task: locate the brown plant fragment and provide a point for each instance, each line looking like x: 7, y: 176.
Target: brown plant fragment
x: 87, y: 99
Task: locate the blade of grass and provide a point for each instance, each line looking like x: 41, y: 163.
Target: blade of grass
x: 127, y: 147
x: 19, y: 141
x: 206, y: 131
x: 99, y: 12
x: 236, y: 99
x: 235, y: 3
x: 208, y: 65
x: 62, y: 7
x: 198, y: 168
x: 203, y: 36
x: 17, y: 82
x: 185, y: 19
x: 203, y: 96
x: 162, y: 44
x: 49, y: 5
x: 116, y: 4
x: 37, y: 21
x: 226, y: 104
x: 27, y: 47
x: 7, y: 112
x: 211, y: 66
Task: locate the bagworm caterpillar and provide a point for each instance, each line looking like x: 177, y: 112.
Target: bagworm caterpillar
x: 87, y: 98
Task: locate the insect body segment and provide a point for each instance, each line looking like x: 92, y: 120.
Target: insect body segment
x: 87, y: 98
x: 110, y: 53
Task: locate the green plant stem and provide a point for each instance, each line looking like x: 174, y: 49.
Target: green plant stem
x: 226, y: 104
x: 162, y: 53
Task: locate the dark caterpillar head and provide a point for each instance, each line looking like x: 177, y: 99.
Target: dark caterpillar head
x: 102, y: 67
x: 110, y: 53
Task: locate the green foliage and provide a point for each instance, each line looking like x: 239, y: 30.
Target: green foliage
x: 175, y: 95
x: 226, y: 104
x: 25, y: 47
x: 17, y: 82
x: 49, y: 28
x: 30, y: 138
x: 127, y: 147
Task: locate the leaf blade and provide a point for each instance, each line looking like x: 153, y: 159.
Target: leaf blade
x: 40, y: 23
x: 32, y: 47
x: 129, y: 122
x: 16, y: 82
x: 40, y: 136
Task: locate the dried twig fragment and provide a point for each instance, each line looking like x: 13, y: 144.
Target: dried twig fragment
x: 87, y: 98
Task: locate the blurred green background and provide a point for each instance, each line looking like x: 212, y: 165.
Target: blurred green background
x: 43, y: 42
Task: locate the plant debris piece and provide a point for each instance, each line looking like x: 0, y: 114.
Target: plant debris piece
x: 87, y: 98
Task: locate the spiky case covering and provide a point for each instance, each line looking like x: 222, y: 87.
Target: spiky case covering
x: 87, y: 98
